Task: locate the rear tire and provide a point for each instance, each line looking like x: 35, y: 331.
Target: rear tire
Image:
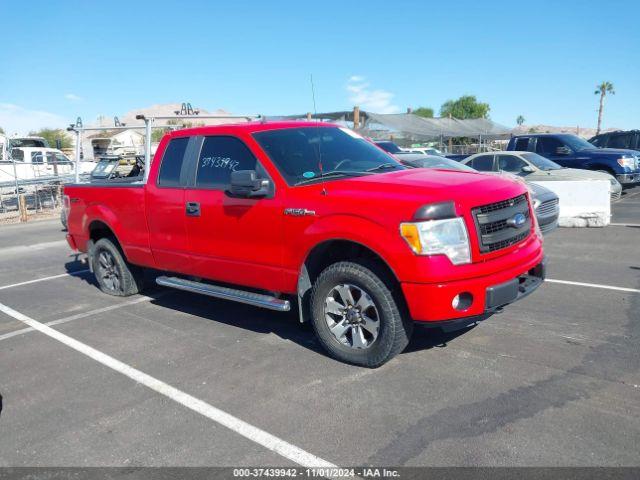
x: 356, y: 317
x: 114, y: 274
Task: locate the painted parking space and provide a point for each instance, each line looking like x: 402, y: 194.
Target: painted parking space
x: 552, y: 380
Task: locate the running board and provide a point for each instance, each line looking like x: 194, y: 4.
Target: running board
x: 241, y: 296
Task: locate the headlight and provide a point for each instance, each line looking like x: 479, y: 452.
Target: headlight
x: 536, y: 203
x: 626, y: 162
x: 439, y: 237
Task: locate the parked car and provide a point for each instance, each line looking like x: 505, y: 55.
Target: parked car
x: 536, y: 168
x: 418, y: 160
x: 423, y: 150
x: 388, y: 146
x: 258, y: 214
x: 545, y: 203
x: 629, y: 139
x: 574, y: 152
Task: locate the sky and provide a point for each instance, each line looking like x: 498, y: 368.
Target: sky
x: 541, y: 60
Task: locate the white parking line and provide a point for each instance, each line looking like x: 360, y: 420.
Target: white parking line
x: 44, y: 279
x: 593, y: 285
x: 255, y: 434
x: 625, y: 224
x: 31, y: 248
x: 78, y: 316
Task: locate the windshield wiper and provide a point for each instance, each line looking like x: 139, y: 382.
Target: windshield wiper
x: 383, y: 166
x: 332, y: 173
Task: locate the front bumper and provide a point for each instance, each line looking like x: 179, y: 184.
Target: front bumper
x: 628, y: 178
x: 432, y: 303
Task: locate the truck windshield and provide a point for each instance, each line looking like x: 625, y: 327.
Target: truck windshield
x: 576, y: 143
x: 541, y: 162
x: 306, y: 154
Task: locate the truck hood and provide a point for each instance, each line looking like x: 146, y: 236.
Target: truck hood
x: 572, y: 174
x: 610, y: 152
x: 420, y: 186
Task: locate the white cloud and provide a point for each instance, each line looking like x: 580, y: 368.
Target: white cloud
x: 377, y: 101
x: 72, y: 97
x: 19, y: 120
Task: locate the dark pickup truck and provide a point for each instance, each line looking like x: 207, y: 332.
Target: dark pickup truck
x: 575, y: 152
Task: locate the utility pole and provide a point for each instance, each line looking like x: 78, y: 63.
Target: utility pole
x: 356, y: 117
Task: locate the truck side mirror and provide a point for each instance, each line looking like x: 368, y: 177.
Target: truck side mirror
x: 528, y: 169
x: 246, y: 184
x: 563, y: 151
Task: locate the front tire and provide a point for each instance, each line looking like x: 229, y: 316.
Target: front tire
x: 114, y: 274
x: 356, y: 317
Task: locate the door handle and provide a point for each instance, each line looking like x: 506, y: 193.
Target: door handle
x: 193, y: 209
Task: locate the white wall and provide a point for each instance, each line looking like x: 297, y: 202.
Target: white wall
x: 583, y: 203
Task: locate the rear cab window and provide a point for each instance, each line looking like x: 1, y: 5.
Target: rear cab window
x: 522, y: 144
x: 172, y: 161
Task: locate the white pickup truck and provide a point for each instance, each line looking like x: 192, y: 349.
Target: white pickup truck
x: 39, y: 163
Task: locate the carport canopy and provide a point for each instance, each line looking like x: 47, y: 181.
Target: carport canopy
x: 409, y: 125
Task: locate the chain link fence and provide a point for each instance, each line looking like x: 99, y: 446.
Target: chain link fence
x: 32, y: 199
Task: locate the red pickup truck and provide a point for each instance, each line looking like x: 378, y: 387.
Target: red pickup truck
x: 271, y: 214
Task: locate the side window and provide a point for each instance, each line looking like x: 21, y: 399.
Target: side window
x: 548, y: 146
x: 171, y: 165
x: 219, y: 157
x: 599, y: 141
x: 17, y: 154
x: 510, y: 163
x: 62, y: 159
x: 483, y: 163
x: 51, y: 158
x: 522, y: 144
x: 37, y: 158
x: 619, y: 141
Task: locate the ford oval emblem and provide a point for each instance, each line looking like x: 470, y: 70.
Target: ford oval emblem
x: 517, y: 220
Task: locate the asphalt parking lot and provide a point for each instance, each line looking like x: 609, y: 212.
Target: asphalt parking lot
x: 554, y: 380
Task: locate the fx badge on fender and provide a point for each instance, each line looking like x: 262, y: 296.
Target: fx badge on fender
x: 299, y: 212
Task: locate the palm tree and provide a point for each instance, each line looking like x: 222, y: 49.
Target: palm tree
x: 602, y: 90
x: 520, y: 120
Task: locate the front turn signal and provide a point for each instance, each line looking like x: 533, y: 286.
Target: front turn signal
x: 409, y: 232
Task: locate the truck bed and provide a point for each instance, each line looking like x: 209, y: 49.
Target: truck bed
x: 122, y: 204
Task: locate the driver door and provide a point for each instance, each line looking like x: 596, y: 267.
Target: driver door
x: 232, y: 240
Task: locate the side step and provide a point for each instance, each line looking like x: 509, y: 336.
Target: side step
x: 242, y: 296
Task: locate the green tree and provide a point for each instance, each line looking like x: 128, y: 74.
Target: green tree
x: 603, y: 89
x: 467, y: 106
x: 425, y: 112
x: 53, y: 134
x: 520, y: 120
x: 1, y: 130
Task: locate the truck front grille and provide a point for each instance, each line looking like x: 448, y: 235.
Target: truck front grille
x: 496, y: 226
x: 548, y: 208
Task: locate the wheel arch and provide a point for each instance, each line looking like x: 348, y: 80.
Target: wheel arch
x: 98, y: 229
x: 335, y: 250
